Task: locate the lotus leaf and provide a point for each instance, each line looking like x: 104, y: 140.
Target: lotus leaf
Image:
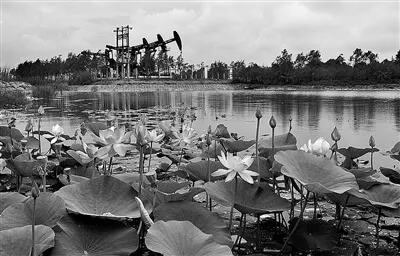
x: 265, y: 166
x: 361, y: 172
x: 23, y: 165
x: 15, y: 133
x: 49, y: 209
x: 198, y: 170
x: 85, y: 171
x: 395, y: 157
x: 234, y: 146
x: 131, y: 178
x: 256, y: 198
x: 350, y: 201
x: 32, y: 142
x: 105, y: 197
x: 81, y: 235
x: 372, y: 180
x: 383, y: 195
x: 393, y: 175
x: 95, y: 127
x: 182, y: 238
x: 285, y: 141
x: 213, y: 152
x: 353, y: 153
x: 208, y: 222
x: 9, y: 198
x: 18, y: 241
x: 312, y: 235
x: 318, y: 174
x: 395, y: 149
x: 81, y: 157
x: 221, y: 131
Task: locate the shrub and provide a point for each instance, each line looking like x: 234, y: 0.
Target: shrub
x: 12, y: 98
x: 81, y: 78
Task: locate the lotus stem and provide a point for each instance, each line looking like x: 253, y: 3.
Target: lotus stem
x: 140, y: 171
x: 44, y: 182
x: 33, y: 227
x: 372, y: 158
x: 40, y: 145
x: 315, y: 206
x: 291, y: 214
x: 258, y: 233
x: 240, y: 228
x: 233, y: 205
x: 209, y: 178
x: 297, y: 223
x: 12, y: 143
x: 257, y: 159
x: 110, y: 166
x: 151, y: 150
x: 377, y: 227
x: 342, y: 214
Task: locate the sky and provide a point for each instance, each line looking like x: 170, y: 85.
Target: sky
x: 253, y: 31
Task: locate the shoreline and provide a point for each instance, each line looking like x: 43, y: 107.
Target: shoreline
x: 215, y: 85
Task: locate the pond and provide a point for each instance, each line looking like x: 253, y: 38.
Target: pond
x: 357, y: 114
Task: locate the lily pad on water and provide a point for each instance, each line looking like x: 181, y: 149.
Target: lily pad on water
x: 49, y: 209
x: 312, y: 235
x: 9, y: 198
x: 80, y: 235
x: 18, y: 241
x: 198, y: 170
x: 208, y: 222
x: 250, y: 198
x: 182, y: 238
x: 234, y: 146
x: 318, y: 174
x: 353, y: 153
x: 105, y: 197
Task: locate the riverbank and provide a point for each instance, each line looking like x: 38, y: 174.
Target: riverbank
x: 214, y: 85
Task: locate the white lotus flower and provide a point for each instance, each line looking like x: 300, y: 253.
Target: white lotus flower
x: 235, y: 165
x: 186, y: 137
x: 152, y: 136
x: 319, y: 147
x: 56, y: 131
x: 114, y: 141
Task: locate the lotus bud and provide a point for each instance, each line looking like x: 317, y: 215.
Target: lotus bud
x: 334, y: 147
x: 83, y: 129
x: 272, y: 122
x: 208, y: 139
x: 41, y: 110
x: 140, y: 133
x: 209, y: 129
x: 11, y: 123
x: 29, y: 126
x: 371, y: 142
x: 143, y: 119
x: 24, y: 143
x: 258, y: 113
x: 143, y: 213
x: 335, y: 135
x: 35, y: 190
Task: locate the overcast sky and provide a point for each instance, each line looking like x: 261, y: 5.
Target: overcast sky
x: 254, y: 31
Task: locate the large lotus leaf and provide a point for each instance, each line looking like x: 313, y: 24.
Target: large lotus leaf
x: 264, y: 167
x: 213, y: 152
x: 350, y: 201
x: 386, y: 195
x: 312, y: 235
x: 24, y: 165
x: 393, y: 175
x: 9, y: 198
x: 354, y: 153
x: 131, y: 178
x: 318, y: 174
x: 250, y: 198
x: 95, y: 127
x: 395, y: 157
x: 15, y: 133
x: 49, y: 209
x: 182, y: 238
x: 85, y: 171
x: 81, y: 235
x: 208, y: 222
x: 18, y: 241
x: 198, y: 170
x: 221, y: 131
x: 105, y: 196
x: 372, y: 180
x: 75, y: 155
x: 32, y: 142
x: 395, y: 149
x: 235, y: 146
x: 282, y: 142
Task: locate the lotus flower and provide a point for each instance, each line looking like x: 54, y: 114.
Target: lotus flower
x: 152, y: 136
x: 56, y: 131
x: 85, y: 156
x: 140, y: 134
x: 114, y: 141
x: 235, y: 166
x: 319, y: 147
x: 186, y: 137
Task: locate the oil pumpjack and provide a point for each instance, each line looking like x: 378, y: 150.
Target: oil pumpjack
x: 124, y: 60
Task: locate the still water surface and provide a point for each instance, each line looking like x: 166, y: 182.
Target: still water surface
x: 357, y: 115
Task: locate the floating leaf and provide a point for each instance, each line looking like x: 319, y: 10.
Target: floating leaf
x: 9, y: 198
x: 234, y: 146
x: 393, y: 175
x: 313, y: 235
x: 386, y: 195
x: 318, y: 174
x: 24, y: 165
x: 15, y: 133
x: 354, y: 153
x: 49, y: 209
x: 105, y: 197
x: 198, y: 170
x: 18, y: 241
x: 208, y: 222
x: 250, y: 198
x: 82, y: 235
x: 182, y: 238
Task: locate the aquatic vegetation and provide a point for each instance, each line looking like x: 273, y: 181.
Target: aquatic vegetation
x: 66, y: 200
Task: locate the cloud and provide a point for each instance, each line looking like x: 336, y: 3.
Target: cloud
x: 227, y: 31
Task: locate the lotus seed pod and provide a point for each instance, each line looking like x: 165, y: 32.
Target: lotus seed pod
x: 24, y: 143
x: 258, y: 113
x: 371, y: 142
x: 272, y: 122
x: 41, y: 110
x: 335, y: 135
x: 35, y: 190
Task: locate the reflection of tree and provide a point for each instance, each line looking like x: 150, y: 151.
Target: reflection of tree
x: 314, y: 108
x: 338, y: 110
